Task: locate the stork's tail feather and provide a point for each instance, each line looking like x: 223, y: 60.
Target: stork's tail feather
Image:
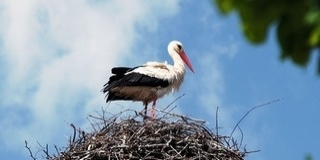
x: 118, y: 73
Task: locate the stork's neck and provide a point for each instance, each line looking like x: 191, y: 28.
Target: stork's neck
x: 178, y: 63
x: 179, y: 71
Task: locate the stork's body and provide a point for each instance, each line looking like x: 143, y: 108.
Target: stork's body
x: 150, y: 81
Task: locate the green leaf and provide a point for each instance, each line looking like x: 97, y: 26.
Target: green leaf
x: 294, y: 42
x: 308, y: 157
x: 225, y: 6
x: 314, y: 39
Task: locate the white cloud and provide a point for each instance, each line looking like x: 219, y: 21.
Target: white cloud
x: 59, y: 54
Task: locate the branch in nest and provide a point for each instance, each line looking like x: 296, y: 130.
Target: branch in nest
x: 252, y: 109
x: 29, y: 149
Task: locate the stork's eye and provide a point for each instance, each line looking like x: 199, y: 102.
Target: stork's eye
x: 179, y: 46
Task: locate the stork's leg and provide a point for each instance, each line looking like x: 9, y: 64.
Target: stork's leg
x: 145, y: 108
x: 153, y: 108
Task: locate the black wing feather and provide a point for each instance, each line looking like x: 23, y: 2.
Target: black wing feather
x: 137, y: 79
x: 120, y: 70
x: 121, y: 79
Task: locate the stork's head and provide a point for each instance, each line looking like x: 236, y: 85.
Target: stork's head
x: 176, y: 47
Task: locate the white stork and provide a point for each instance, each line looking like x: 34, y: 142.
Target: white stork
x: 150, y: 81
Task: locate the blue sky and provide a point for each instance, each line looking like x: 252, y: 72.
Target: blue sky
x: 56, y: 55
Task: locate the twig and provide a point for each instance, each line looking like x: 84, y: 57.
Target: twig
x: 57, y: 149
x: 259, y: 106
x: 74, y: 132
x: 169, y: 111
x: 183, y: 116
x: 248, y: 152
x: 45, y: 150
x: 217, y: 124
x: 173, y: 101
x: 29, y: 149
x: 241, y: 136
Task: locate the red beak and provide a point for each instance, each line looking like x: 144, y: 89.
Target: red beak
x: 186, y: 60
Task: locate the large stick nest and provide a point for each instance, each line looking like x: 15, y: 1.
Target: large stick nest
x: 170, y: 137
